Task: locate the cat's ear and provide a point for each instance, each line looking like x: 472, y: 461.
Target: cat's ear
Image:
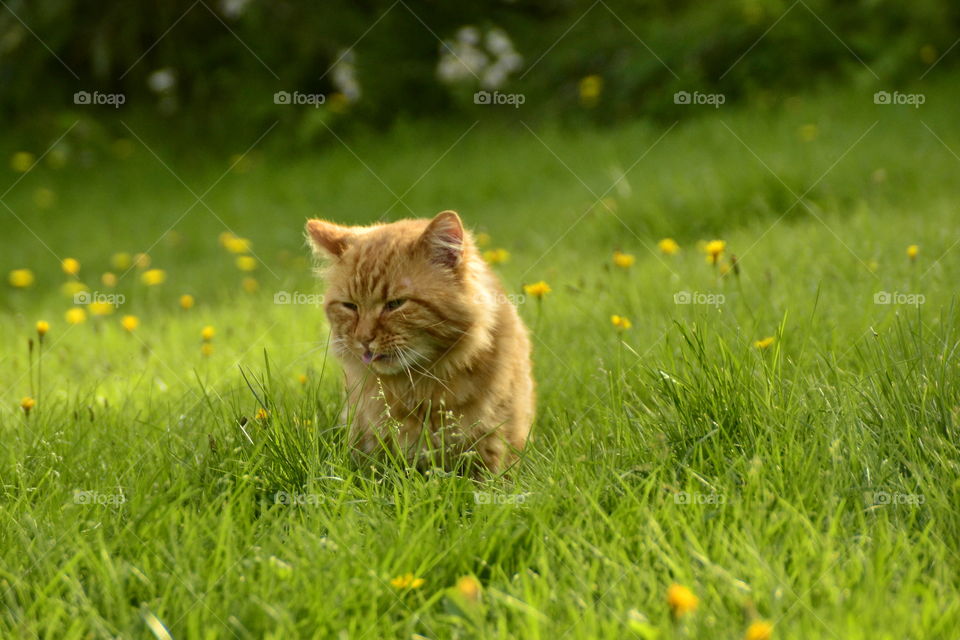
x: 443, y: 239
x: 326, y: 238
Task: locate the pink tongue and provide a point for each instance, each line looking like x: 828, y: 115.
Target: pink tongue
x: 367, y: 357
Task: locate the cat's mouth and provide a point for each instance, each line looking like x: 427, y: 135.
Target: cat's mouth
x: 370, y: 357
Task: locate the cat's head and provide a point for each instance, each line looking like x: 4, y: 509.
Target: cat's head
x: 399, y: 296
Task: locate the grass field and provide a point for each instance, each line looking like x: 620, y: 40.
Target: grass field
x: 812, y: 483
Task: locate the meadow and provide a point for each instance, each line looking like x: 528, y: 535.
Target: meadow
x: 775, y: 433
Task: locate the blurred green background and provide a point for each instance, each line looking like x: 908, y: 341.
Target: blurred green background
x: 211, y: 67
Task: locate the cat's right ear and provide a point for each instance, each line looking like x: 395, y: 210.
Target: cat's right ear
x: 327, y: 239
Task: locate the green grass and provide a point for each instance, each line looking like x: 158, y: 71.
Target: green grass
x: 673, y: 452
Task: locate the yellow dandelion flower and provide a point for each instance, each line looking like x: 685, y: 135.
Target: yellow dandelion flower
x: 261, y: 414
x: 141, y: 260
x: 681, y: 600
x: 482, y: 239
x: 109, y: 279
x: 407, y: 581
x: 236, y: 244
x: 809, y: 132
x: 224, y: 237
x: 70, y: 266
x: 42, y: 328
x: 206, y: 349
x: 100, y: 308
x: 21, y: 278
x: 122, y: 148
x: 21, y: 161
x: 121, y: 261
x: 207, y: 333
x: 668, y: 246
x: 590, y: 88
x: 623, y: 260
x: 302, y: 378
x: 759, y: 630
x: 240, y: 162
x: 764, y: 343
x: 76, y: 315
x: 27, y: 403
x: 130, y: 323
x: 496, y: 256
x: 714, y: 249
x: 469, y: 587
x: 153, y: 277
x: 44, y: 198
x: 250, y: 285
x: 620, y: 322
x: 338, y: 103
x: 187, y: 301
x: 72, y: 288
x: 246, y: 263
x: 537, y: 289
x: 912, y: 251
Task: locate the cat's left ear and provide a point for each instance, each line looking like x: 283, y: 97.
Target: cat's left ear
x: 443, y: 239
x: 327, y: 238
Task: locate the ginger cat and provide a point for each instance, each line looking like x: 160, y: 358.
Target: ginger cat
x: 436, y: 358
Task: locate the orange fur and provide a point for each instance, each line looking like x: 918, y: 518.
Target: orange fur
x: 436, y: 358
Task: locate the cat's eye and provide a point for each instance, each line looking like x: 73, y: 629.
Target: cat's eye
x: 393, y: 305
x: 349, y: 305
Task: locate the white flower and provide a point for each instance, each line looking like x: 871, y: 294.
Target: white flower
x: 344, y: 75
x: 498, y: 43
x: 466, y: 59
x: 162, y: 80
x: 233, y: 8
x: 468, y: 35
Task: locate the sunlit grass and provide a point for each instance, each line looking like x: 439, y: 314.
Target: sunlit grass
x: 766, y: 432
